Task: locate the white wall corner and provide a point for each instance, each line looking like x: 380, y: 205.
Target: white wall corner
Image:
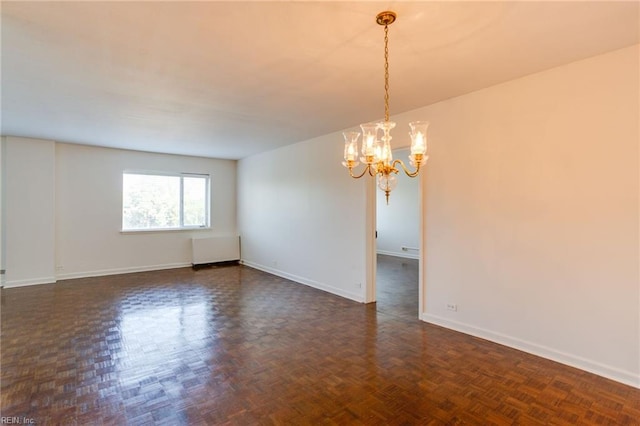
x: 355, y: 296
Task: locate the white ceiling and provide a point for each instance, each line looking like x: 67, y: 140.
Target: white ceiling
x: 230, y: 79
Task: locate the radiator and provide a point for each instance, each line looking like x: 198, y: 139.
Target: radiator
x: 215, y: 249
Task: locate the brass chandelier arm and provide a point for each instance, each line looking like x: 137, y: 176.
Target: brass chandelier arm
x: 407, y: 171
x: 367, y: 169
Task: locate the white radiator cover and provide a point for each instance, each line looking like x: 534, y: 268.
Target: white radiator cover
x: 215, y: 249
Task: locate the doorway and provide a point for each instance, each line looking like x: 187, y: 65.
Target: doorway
x: 398, y: 228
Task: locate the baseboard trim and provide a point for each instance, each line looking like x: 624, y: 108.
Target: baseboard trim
x: 305, y: 281
x: 118, y: 271
x: 625, y: 377
x: 399, y: 254
x: 29, y: 281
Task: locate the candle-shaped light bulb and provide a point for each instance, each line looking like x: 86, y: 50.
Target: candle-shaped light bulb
x: 369, y: 141
x: 351, y: 153
x: 417, y: 145
x: 418, y: 137
x: 370, y: 145
x: 350, y: 149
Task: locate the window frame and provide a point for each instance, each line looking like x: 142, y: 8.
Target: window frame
x: 180, y: 175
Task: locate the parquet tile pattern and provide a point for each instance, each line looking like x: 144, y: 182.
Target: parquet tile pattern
x: 397, y: 286
x: 241, y: 347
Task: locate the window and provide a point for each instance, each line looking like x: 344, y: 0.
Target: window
x: 154, y: 201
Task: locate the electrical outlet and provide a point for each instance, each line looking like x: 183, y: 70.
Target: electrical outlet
x: 452, y: 307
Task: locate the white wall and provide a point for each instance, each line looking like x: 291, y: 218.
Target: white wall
x: 3, y: 215
x: 30, y: 211
x: 64, y: 211
x: 398, y: 222
x: 302, y: 217
x: 89, y: 240
x: 532, y: 223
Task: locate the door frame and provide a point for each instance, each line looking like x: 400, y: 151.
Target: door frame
x: 370, y: 232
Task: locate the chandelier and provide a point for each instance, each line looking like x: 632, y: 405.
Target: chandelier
x: 376, y: 153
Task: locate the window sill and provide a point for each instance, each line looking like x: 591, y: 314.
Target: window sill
x: 162, y: 231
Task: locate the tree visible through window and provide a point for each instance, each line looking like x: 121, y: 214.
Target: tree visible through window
x: 163, y: 201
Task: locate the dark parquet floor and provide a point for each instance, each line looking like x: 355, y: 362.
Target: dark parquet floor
x: 397, y: 286
x: 238, y: 346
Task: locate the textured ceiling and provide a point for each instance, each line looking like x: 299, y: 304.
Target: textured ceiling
x: 230, y: 79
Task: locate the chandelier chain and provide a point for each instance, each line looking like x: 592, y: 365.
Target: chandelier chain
x: 386, y: 73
